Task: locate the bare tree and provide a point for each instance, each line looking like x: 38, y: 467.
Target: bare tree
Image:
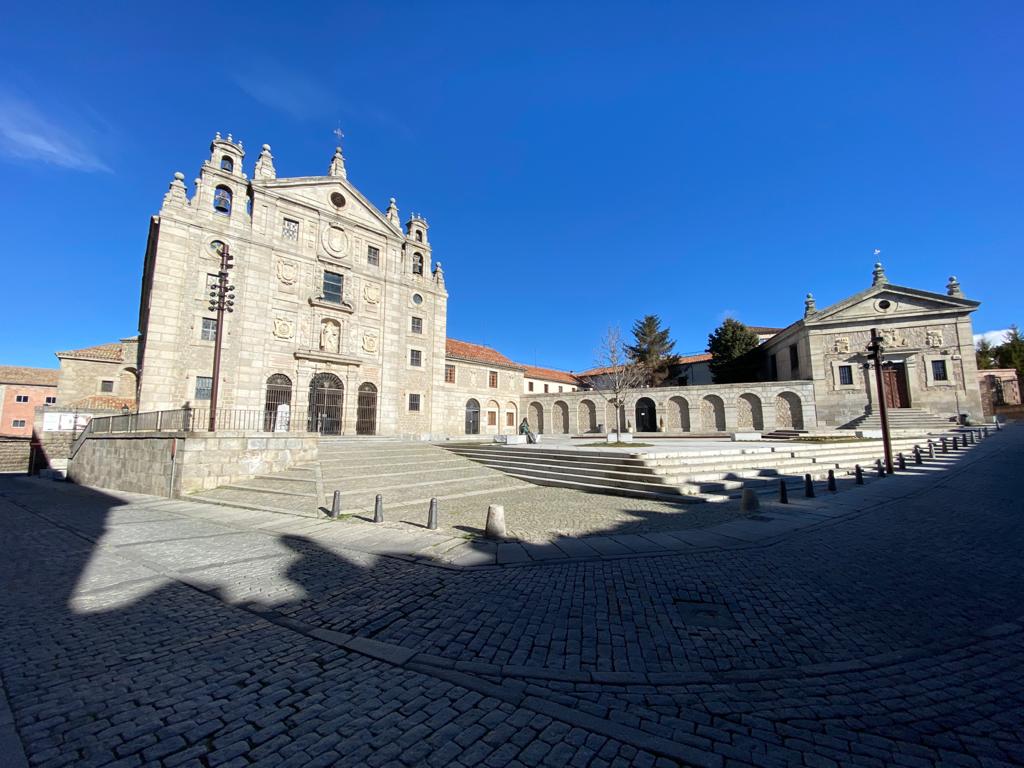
x: 615, y: 375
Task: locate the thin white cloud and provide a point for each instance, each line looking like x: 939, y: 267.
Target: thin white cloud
x: 995, y: 338
x: 27, y: 134
x: 275, y: 85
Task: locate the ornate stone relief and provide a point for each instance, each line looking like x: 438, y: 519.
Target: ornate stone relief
x: 284, y: 328
x: 371, y: 293
x: 334, y: 240
x: 841, y: 345
x: 287, y: 271
x: 370, y: 341
x: 891, y: 338
x: 933, y: 338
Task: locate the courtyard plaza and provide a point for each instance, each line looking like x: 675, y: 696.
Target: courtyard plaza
x: 882, y: 625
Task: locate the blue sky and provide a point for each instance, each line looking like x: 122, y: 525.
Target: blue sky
x: 581, y: 164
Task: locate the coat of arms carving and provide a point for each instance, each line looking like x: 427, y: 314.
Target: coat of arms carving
x: 933, y: 338
x: 370, y: 342
x: 371, y: 293
x: 841, y: 345
x: 284, y: 328
x: 287, y: 271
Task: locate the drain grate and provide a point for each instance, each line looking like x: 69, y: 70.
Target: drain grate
x: 705, y: 614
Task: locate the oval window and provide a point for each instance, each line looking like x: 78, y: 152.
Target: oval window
x: 337, y: 200
x: 417, y: 299
x: 884, y: 304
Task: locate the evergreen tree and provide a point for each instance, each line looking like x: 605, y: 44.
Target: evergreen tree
x: 730, y: 347
x: 1010, y: 354
x: 985, y: 355
x: 652, y: 349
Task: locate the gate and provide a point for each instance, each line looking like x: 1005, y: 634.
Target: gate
x: 279, y: 392
x: 366, y: 410
x: 326, y: 398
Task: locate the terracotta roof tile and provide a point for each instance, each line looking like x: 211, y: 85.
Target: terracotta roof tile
x: 113, y: 352
x: 550, y: 374
x: 477, y: 353
x: 703, y: 357
x: 36, y: 377
x: 102, y: 403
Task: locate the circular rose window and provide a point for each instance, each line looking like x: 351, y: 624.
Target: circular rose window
x: 337, y: 200
x: 417, y: 299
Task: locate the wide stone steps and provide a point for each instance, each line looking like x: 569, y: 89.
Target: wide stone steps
x: 901, y: 419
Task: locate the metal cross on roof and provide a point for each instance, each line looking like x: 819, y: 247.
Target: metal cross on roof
x: 339, y: 133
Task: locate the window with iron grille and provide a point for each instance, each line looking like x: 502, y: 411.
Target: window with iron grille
x: 417, y: 325
x: 204, y: 387
x: 332, y: 287
x: 106, y: 385
x: 209, y: 332
x: 373, y: 256
x: 290, y: 229
x: 21, y: 399
x: 414, y: 402
x: 415, y: 357
x: 846, y: 374
x: 939, y: 372
x: 492, y: 379
x: 449, y: 374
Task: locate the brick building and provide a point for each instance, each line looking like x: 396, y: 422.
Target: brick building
x: 22, y: 390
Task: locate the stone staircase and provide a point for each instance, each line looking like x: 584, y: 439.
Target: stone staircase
x: 406, y: 473
x: 904, y: 420
x: 715, y: 475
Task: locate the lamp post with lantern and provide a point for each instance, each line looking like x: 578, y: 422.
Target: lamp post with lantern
x: 875, y: 349
x: 222, y: 299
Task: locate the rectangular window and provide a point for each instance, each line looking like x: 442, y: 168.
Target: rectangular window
x: 373, y: 256
x: 51, y: 400
x: 510, y: 419
x: 415, y: 357
x: 529, y: 386
x: 414, y: 402
x: 332, y: 287
x: 209, y: 332
x: 449, y: 374
x: 106, y: 385
x: 21, y: 399
x: 939, y: 370
x: 290, y: 229
x: 545, y: 387
x: 794, y: 359
x: 492, y: 379
x: 559, y: 387
x: 18, y: 423
x: 846, y: 375
x: 492, y: 418
x: 204, y: 386
x: 417, y: 325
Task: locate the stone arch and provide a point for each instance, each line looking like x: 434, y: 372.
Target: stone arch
x: 587, y: 416
x: 789, y: 411
x: 645, y: 415
x: 712, y: 414
x: 512, y: 410
x: 678, y: 414
x: 492, y: 408
x: 326, y: 404
x: 366, y: 409
x: 749, y: 414
x: 277, y: 403
x: 560, y: 418
x: 537, y: 418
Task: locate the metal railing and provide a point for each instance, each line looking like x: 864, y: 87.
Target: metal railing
x: 228, y: 420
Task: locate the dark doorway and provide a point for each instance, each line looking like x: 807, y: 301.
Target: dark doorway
x: 894, y: 378
x: 472, y: 418
x: 366, y: 410
x: 646, y: 415
x: 279, y: 393
x: 326, y: 398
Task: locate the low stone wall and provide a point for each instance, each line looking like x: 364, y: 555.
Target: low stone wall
x: 704, y: 409
x: 15, y: 453
x: 175, y: 464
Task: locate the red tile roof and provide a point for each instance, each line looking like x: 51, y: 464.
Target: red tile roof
x: 703, y: 357
x: 477, y: 353
x: 102, y: 403
x: 764, y: 330
x: 550, y: 374
x: 36, y: 377
x: 113, y: 352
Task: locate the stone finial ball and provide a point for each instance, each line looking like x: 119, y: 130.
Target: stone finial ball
x: 392, y: 199
x: 266, y: 147
x: 179, y: 176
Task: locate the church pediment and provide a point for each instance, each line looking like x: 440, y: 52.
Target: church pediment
x: 332, y: 195
x: 887, y: 302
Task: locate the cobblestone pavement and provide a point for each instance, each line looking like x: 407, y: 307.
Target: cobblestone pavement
x: 141, y: 631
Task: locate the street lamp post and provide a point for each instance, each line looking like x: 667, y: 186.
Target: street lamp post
x: 222, y: 299
x: 875, y: 348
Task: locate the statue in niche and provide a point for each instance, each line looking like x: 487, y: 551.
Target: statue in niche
x: 330, y: 336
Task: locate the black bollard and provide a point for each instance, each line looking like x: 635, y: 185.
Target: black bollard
x: 378, y: 509
x: 984, y: 432
x: 901, y: 462
x: 858, y: 475
x: 917, y: 454
x: 432, y: 515
x: 945, y: 446
x: 808, y: 487
x: 783, y: 492
x: 880, y: 467
x: 956, y: 443
x: 832, y: 480
x: 336, y: 505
